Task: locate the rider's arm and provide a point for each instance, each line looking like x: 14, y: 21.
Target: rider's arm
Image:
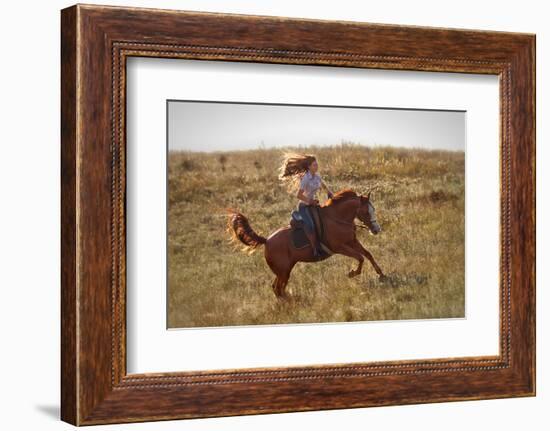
x: 301, y: 196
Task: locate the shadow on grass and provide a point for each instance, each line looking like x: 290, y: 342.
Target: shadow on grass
x: 294, y: 301
x: 395, y: 280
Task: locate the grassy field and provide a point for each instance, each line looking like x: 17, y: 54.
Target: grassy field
x: 419, y: 198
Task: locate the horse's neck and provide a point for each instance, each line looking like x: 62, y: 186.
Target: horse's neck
x: 344, y: 211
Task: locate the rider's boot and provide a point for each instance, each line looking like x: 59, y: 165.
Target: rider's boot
x: 313, y: 242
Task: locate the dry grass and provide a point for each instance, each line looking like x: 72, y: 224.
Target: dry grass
x: 419, y: 197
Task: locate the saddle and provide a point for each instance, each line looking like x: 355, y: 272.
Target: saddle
x: 297, y: 234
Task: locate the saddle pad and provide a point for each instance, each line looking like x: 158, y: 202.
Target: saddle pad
x: 299, y: 238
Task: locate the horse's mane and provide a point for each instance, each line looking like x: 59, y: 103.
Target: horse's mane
x: 341, y: 196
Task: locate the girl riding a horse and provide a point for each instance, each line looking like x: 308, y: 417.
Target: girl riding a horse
x: 301, y: 172
x: 338, y: 215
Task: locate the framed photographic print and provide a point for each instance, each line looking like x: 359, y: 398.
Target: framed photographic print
x: 264, y: 215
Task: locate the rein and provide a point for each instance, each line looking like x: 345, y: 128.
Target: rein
x: 347, y: 223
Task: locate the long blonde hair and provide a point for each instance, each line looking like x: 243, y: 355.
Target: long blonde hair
x: 293, y: 168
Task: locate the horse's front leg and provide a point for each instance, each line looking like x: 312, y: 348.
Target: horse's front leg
x: 350, y: 251
x: 359, y: 247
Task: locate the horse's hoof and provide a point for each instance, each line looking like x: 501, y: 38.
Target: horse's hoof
x: 382, y: 278
x: 352, y: 273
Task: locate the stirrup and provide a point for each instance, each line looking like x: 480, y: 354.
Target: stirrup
x: 317, y: 252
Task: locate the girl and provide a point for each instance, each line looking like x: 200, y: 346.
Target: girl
x: 300, y: 171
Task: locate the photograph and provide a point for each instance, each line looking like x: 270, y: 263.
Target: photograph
x: 294, y: 214
x: 304, y: 214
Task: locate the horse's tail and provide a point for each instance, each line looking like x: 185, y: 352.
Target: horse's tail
x: 240, y: 229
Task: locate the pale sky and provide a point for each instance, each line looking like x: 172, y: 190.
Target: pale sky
x: 211, y: 126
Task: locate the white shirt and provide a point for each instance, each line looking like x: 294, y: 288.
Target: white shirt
x: 310, y: 184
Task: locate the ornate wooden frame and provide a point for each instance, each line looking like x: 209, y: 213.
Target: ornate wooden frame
x: 95, y: 42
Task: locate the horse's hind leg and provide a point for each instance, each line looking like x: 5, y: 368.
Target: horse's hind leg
x: 280, y: 282
x: 279, y: 260
x: 276, y: 286
x: 279, y: 285
x: 282, y: 273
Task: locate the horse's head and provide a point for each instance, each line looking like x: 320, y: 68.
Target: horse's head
x: 367, y: 214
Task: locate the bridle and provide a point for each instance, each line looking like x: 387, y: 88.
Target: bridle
x: 371, y: 222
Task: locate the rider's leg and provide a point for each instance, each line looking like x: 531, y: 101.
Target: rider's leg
x: 309, y: 229
x: 312, y: 240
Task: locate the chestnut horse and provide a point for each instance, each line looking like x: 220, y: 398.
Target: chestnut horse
x: 338, y: 215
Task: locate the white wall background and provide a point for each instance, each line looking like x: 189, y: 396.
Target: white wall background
x: 29, y: 216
